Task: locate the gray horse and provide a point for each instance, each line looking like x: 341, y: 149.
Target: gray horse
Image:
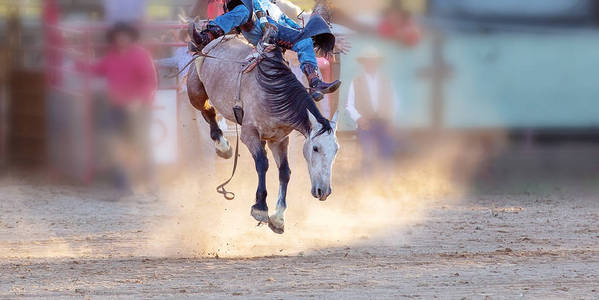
x: 275, y: 103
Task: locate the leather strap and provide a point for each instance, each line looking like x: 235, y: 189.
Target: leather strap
x: 221, y: 188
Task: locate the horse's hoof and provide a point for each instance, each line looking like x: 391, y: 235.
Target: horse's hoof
x: 223, y: 149
x: 276, y: 224
x: 226, y: 155
x: 259, y: 215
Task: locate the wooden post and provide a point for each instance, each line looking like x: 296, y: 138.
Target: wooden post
x: 438, y: 73
x: 12, y: 59
x: 3, y: 104
x: 336, y: 74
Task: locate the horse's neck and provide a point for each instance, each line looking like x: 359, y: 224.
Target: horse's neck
x: 216, y: 42
x: 226, y: 46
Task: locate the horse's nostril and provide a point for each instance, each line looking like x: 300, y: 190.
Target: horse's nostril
x: 319, y: 192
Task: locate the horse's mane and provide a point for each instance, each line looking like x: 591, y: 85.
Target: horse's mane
x: 286, y: 97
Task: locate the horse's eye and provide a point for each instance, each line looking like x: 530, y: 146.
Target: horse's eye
x: 315, y: 149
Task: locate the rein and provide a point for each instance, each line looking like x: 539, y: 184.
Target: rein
x: 197, y: 55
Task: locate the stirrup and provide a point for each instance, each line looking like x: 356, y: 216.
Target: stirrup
x: 316, y: 94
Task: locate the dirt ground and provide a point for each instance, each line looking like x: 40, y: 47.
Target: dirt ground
x: 65, y: 242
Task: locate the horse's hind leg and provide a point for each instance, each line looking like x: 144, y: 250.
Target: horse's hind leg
x: 251, y: 138
x: 221, y: 144
x: 276, y: 222
x: 199, y: 99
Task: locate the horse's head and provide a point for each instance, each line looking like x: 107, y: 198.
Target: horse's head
x: 320, y: 151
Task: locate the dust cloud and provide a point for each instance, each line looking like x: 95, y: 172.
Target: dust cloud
x: 371, y: 209
x: 28, y: 231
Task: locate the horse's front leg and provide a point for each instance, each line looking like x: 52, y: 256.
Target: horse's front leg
x: 251, y: 138
x: 276, y: 222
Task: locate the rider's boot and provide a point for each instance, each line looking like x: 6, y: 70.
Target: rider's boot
x: 316, y: 95
x: 318, y: 87
x: 199, y: 39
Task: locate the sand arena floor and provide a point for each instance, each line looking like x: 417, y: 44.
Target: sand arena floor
x: 64, y: 242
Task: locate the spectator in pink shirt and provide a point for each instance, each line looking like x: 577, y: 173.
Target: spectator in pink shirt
x: 131, y: 82
x: 127, y: 67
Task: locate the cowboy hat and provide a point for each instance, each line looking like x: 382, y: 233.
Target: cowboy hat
x: 370, y: 53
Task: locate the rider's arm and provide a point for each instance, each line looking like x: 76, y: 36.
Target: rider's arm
x: 262, y: 20
x: 260, y: 14
x: 290, y: 22
x: 258, y: 6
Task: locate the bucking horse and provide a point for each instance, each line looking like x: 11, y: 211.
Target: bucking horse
x: 274, y: 104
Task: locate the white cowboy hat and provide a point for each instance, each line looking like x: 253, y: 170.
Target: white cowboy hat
x: 370, y: 53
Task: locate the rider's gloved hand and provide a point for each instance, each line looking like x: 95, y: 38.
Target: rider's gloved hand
x: 269, y: 33
x: 269, y: 30
x: 269, y: 26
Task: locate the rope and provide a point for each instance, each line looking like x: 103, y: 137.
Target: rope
x: 206, y: 55
x: 221, y: 188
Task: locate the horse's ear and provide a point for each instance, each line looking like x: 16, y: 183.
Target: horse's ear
x: 313, y: 120
x: 183, y: 18
x: 335, y: 119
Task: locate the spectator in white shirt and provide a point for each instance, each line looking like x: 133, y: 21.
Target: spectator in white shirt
x: 373, y: 104
x: 127, y: 11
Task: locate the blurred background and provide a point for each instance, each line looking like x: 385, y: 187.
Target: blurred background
x: 513, y: 82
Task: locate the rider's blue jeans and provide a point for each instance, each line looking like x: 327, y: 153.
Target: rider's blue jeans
x: 305, y: 52
x: 240, y: 14
x: 232, y: 19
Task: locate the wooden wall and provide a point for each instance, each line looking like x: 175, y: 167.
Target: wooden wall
x: 26, y: 118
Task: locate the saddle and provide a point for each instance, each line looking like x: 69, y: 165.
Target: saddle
x: 247, y: 65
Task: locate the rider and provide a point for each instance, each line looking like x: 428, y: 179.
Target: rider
x: 253, y: 19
